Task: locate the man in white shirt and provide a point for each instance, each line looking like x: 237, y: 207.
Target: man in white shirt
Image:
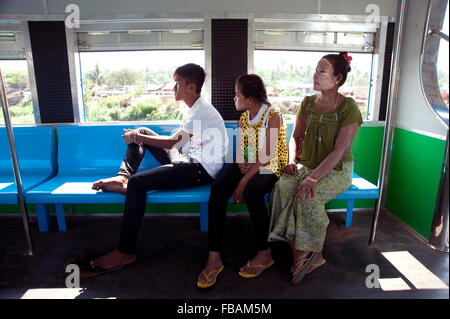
x: 202, y: 131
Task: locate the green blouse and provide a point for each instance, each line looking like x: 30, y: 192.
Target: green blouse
x: 322, y: 130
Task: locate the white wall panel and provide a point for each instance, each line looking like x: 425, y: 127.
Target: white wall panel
x: 413, y: 112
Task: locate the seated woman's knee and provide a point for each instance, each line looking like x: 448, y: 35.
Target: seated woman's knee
x: 285, y: 183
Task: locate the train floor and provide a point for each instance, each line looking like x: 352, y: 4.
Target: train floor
x: 172, y: 252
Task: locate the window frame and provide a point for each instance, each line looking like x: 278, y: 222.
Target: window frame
x: 325, y: 23
x: 132, y: 26
x: 429, y: 57
x: 23, y: 52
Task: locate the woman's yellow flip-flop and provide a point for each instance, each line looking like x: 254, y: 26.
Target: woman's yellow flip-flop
x: 263, y: 267
x: 216, y: 273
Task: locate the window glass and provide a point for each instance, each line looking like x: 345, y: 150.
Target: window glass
x: 18, y: 94
x: 288, y: 76
x: 133, y: 85
x: 442, y: 62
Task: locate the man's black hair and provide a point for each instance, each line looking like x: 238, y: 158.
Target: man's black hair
x: 192, y: 73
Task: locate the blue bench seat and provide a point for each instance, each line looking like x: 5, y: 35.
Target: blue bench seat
x: 8, y: 187
x: 85, y: 154
x: 89, y: 153
x: 36, y: 152
x: 360, y: 189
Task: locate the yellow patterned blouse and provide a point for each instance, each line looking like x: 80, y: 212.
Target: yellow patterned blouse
x: 251, y: 134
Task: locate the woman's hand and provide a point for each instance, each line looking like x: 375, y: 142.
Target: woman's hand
x: 238, y: 195
x: 291, y: 169
x: 244, y: 167
x: 306, y: 188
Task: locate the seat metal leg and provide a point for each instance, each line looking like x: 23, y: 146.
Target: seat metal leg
x: 348, y: 218
x: 204, y: 217
x: 43, y: 217
x: 60, y: 217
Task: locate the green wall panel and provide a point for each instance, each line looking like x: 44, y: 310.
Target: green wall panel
x: 15, y: 209
x: 359, y: 203
x: 414, y: 178
x: 366, y: 148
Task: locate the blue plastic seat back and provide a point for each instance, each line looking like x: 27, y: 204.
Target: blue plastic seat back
x: 289, y: 129
x: 35, y: 147
x: 5, y: 155
x: 88, y: 149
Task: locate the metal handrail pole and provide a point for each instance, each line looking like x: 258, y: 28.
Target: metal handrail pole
x: 438, y: 33
x: 15, y: 162
x: 390, y: 116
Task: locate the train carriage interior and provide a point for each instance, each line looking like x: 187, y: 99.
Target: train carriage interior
x: 75, y: 71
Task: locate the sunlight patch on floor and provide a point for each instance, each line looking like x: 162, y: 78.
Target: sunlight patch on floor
x: 55, y: 293
x: 393, y: 284
x: 414, y: 270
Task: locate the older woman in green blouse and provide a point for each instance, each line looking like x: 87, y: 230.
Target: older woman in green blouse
x: 320, y: 166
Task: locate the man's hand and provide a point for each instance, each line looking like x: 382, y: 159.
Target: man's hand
x: 129, y: 136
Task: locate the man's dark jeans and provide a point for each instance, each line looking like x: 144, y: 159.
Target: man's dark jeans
x: 167, y: 176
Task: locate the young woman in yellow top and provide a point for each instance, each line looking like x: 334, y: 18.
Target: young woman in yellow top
x: 320, y: 166
x: 260, y: 159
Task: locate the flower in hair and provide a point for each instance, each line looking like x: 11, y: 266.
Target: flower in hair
x: 347, y: 58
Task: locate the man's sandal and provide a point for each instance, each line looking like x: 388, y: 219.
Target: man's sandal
x: 87, y: 270
x: 214, y: 272
x: 309, y: 264
x: 263, y: 267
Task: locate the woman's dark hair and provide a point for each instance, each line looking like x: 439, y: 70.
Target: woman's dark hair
x: 192, y: 73
x: 251, y: 85
x: 340, y: 63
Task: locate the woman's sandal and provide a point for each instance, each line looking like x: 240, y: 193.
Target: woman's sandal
x: 309, y: 264
x: 263, y: 267
x: 314, y: 265
x: 216, y: 273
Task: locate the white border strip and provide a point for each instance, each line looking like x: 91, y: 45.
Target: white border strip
x: 429, y: 134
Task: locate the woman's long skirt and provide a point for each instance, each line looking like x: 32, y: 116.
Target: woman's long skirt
x: 305, y: 221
